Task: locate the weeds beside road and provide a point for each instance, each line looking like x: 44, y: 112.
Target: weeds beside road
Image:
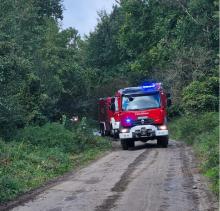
x: 202, y: 132
x: 39, y: 154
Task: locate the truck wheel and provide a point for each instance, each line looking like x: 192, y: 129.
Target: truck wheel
x: 131, y: 143
x: 163, y: 141
x: 102, y: 130
x: 124, y: 144
x: 112, y: 132
x: 116, y: 135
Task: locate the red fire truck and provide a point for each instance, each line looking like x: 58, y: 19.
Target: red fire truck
x: 109, y: 121
x: 136, y: 113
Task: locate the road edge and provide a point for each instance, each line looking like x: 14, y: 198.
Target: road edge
x: 30, y: 195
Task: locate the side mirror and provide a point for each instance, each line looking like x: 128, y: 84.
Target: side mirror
x: 169, y: 102
x: 112, y: 107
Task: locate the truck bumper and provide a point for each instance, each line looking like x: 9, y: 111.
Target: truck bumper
x: 143, y: 131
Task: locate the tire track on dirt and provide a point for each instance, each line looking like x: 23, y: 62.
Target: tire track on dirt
x: 179, y: 182
x: 189, y: 180
x: 124, y: 181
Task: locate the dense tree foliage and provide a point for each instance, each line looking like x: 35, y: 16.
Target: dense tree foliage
x: 39, y: 64
x: 46, y: 72
x: 175, y: 42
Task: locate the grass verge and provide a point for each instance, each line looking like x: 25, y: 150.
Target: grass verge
x: 39, y: 154
x: 202, y: 132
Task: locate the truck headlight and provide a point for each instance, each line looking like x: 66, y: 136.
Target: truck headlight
x: 125, y: 130
x: 162, y: 127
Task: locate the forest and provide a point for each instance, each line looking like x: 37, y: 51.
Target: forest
x: 48, y: 73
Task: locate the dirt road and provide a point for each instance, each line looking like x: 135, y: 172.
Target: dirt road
x: 146, y: 178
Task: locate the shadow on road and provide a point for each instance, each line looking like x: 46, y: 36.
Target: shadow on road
x: 140, y: 145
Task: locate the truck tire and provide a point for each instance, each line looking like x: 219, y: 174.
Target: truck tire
x: 127, y: 143
x: 102, y: 130
x: 163, y: 141
x: 112, y: 134
x: 131, y: 143
x: 124, y: 144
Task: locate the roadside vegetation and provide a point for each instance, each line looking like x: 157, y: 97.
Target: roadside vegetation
x: 202, y: 132
x: 47, y: 72
x: 195, y: 120
x: 38, y: 154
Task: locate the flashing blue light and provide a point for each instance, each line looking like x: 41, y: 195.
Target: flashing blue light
x: 128, y: 120
x: 149, y: 86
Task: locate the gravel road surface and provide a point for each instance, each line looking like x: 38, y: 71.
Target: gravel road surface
x: 146, y: 178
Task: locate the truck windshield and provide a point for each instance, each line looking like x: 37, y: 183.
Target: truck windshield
x: 141, y: 102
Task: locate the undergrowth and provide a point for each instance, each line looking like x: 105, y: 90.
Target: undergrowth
x: 202, y: 132
x: 38, y: 154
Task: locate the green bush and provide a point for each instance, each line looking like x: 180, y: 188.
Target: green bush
x: 174, y: 111
x: 201, y: 96
x: 50, y: 135
x: 56, y: 135
x: 188, y: 127
x: 207, y: 148
x: 201, y: 131
x: 40, y: 153
x: 84, y: 137
x: 24, y: 166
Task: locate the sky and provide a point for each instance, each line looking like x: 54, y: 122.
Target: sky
x: 82, y: 14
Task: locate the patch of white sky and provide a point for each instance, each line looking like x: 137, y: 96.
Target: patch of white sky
x: 82, y: 14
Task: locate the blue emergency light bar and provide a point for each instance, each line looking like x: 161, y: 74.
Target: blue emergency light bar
x: 145, y: 87
x: 150, y: 86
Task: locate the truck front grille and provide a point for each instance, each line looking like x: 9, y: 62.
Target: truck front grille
x: 147, y: 121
